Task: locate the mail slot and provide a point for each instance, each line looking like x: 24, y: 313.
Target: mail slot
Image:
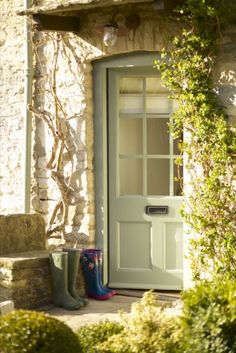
x: 157, y: 210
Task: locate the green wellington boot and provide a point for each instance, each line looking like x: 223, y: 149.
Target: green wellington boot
x: 59, y: 271
x: 73, y: 267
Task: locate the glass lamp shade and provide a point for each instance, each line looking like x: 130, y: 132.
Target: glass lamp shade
x: 110, y: 35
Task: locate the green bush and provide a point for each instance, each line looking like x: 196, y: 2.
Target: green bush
x: 90, y: 335
x: 147, y: 329
x: 24, y: 331
x: 208, y: 320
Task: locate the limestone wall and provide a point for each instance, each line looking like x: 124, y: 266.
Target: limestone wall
x: 75, y: 91
x: 12, y: 49
x: 225, y: 73
x: 74, y: 88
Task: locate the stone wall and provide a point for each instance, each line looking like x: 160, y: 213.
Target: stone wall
x: 21, y: 232
x: 24, y: 263
x: 12, y: 49
x: 225, y: 73
x: 75, y: 84
x: 75, y: 91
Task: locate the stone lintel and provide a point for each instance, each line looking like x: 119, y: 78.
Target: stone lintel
x: 78, y: 6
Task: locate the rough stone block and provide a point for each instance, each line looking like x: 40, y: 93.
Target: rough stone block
x: 25, y: 279
x: 22, y: 232
x: 6, y: 307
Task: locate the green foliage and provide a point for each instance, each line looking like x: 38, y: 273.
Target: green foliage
x: 207, y: 324
x: 24, y: 331
x: 90, y: 335
x: 210, y: 143
x: 146, y: 330
x: 209, y: 318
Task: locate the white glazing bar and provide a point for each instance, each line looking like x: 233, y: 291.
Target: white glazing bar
x: 144, y: 139
x: 171, y: 151
x: 117, y: 127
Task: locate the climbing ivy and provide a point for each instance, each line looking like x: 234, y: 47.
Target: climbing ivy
x: 209, y: 146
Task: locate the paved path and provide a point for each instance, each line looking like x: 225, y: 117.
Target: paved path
x: 97, y: 310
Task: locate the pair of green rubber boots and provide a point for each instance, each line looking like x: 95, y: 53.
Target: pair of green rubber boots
x: 64, y: 267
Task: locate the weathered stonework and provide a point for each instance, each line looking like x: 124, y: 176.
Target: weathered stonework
x: 75, y: 90
x: 25, y: 279
x: 21, y: 232
x: 6, y: 307
x: 25, y: 276
x: 12, y: 48
x: 24, y: 264
x: 225, y: 73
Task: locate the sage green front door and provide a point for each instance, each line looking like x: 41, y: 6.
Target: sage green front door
x: 145, y: 227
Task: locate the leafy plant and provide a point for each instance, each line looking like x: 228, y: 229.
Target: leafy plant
x: 24, y: 331
x: 210, y: 143
x: 90, y: 335
x: 146, y: 330
x: 208, y: 320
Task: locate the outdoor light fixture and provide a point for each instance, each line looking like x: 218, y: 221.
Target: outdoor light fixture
x: 110, y: 34
x: 120, y: 25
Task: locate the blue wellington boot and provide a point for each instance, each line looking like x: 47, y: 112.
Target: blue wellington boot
x: 90, y: 268
x: 100, y: 270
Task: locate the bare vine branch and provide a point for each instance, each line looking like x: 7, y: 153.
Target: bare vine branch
x: 58, y: 126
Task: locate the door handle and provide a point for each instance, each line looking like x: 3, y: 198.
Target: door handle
x: 157, y: 210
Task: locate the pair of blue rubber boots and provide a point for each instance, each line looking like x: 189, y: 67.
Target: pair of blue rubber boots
x: 91, y: 261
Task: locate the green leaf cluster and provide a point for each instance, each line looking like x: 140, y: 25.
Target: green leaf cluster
x: 210, y: 143
x: 208, y: 320
x: 24, y: 331
x: 206, y: 323
x: 147, y: 329
x: 91, y: 335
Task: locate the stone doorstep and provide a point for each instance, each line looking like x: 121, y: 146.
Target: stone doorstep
x: 6, y: 307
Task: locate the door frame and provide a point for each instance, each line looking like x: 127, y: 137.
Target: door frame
x: 100, y: 73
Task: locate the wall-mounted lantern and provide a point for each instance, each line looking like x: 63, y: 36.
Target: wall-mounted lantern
x: 110, y: 34
x: 120, y: 25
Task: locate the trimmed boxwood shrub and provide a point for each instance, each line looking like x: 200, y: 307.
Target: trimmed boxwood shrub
x: 208, y: 320
x: 25, y: 331
x: 90, y: 335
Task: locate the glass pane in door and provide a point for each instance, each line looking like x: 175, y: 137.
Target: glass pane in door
x: 131, y: 176
x: 157, y: 104
x: 176, y: 142
x: 131, y: 104
x: 158, y: 177
x: 131, y: 85
x: 154, y: 85
x: 178, y: 180
x: 158, y: 136
x: 131, y: 136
